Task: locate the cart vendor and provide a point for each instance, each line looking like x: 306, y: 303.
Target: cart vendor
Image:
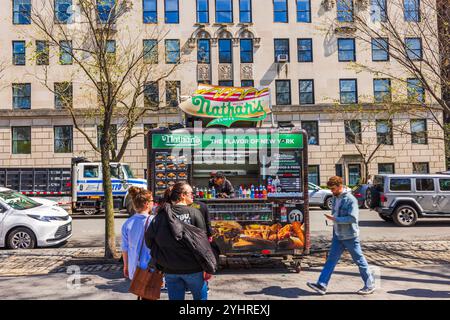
x: 223, y: 187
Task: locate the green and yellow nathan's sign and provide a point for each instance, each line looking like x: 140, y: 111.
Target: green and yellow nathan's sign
x: 224, y: 141
x: 228, y: 104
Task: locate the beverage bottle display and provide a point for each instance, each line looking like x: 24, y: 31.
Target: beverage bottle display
x: 205, y: 193
x: 244, y: 193
x: 264, y: 193
x: 213, y: 193
x: 252, y: 192
x: 200, y: 193
x: 258, y: 193
x: 240, y: 192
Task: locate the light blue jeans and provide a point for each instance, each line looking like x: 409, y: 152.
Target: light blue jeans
x: 178, y: 283
x: 337, y: 249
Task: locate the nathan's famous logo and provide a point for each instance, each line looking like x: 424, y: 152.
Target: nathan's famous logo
x: 228, y: 105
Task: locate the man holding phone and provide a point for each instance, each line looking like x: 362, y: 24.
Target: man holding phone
x: 345, y: 236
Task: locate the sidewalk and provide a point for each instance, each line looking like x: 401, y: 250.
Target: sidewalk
x: 396, y: 283
x: 382, y: 254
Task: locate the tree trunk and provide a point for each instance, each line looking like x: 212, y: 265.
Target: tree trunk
x: 366, y: 173
x: 110, y: 238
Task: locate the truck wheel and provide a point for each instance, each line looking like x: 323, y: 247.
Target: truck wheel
x: 90, y: 212
x: 385, y: 218
x: 129, y: 206
x: 21, y: 238
x: 405, y: 216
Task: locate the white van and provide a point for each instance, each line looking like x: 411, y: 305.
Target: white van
x: 27, y: 223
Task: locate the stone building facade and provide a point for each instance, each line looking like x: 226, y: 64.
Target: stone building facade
x: 295, y: 49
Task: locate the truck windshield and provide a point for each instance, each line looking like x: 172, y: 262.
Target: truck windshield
x: 18, y: 201
x: 128, y: 171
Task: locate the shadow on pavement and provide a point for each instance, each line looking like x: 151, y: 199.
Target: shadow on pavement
x: 277, y: 291
x: 116, y: 283
x: 422, y: 293
x: 419, y: 224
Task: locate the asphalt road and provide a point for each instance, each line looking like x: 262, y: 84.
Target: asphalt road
x: 90, y: 232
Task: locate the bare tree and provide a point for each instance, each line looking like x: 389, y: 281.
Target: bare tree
x: 113, y: 70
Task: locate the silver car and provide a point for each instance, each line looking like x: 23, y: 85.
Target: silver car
x: 319, y: 197
x: 406, y: 198
x: 27, y: 223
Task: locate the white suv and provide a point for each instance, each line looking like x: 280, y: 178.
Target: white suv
x: 27, y: 223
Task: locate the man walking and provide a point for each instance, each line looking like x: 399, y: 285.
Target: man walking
x: 345, y: 236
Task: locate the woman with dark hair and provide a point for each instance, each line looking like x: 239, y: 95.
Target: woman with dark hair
x: 178, y: 263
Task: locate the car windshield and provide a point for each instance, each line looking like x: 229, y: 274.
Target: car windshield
x: 18, y: 201
x: 312, y: 186
x: 128, y: 171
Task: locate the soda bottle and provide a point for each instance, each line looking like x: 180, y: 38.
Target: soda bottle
x: 244, y: 193
x: 197, y: 193
x: 205, y: 193
x: 283, y: 213
x: 249, y: 193
x: 213, y: 193
x: 252, y: 192
x: 200, y: 193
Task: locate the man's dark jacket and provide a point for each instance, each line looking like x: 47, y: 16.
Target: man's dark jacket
x: 226, y: 187
x: 177, y: 247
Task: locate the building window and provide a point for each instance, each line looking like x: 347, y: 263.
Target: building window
x: 312, y: 128
x: 202, y: 11
x: 112, y: 134
x: 345, y: 10
x: 247, y: 83
x: 150, y: 11
x: 172, y: 11
x: 414, y: 48
x: 280, y: 11
x: 173, y: 90
x: 346, y: 48
x: 384, y: 132
x: 283, y: 92
x: 147, y: 128
x: 225, y: 51
x: 416, y: 92
x: 42, y: 53
x: 303, y: 10
x: 245, y: 11
x: 306, y: 89
x: 105, y: 9
x: 281, y: 48
x: 21, y: 95
x: 63, y: 12
x: 172, y: 51
x: 246, y: 50
x: 382, y: 90
x: 353, y: 132
x: 224, y: 11
x: 419, y: 131
x: 339, y: 170
x: 111, y: 51
x: 65, y: 52
x: 386, y: 168
x: 411, y: 10
x: 21, y: 140
x: 380, y: 49
x: 22, y: 11
x: 150, y: 51
x: 19, y: 56
x: 305, y: 50
x: 348, y: 91
x: 226, y: 83
x: 63, y: 95
x: 63, y: 139
x: 421, y: 168
x: 151, y: 95
x: 354, y: 174
x: 314, y: 175
x: 378, y: 10
x: 203, y: 51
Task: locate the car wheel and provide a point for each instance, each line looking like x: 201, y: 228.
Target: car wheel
x: 405, y: 216
x: 328, y: 205
x: 21, y: 238
x: 385, y: 218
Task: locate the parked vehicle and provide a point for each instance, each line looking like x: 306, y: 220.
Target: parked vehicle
x: 361, y: 194
x: 406, y: 198
x: 319, y: 196
x: 27, y: 223
x: 81, y: 184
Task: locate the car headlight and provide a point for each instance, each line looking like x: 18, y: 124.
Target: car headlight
x: 40, y: 218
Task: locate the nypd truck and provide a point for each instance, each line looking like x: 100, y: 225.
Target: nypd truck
x: 79, y: 187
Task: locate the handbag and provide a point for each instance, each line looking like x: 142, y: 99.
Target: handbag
x: 146, y: 283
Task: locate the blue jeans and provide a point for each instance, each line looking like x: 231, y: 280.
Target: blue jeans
x: 337, y: 249
x: 178, y: 283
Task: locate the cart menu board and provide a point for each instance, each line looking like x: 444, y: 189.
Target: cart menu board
x: 168, y: 170
x: 285, y: 173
